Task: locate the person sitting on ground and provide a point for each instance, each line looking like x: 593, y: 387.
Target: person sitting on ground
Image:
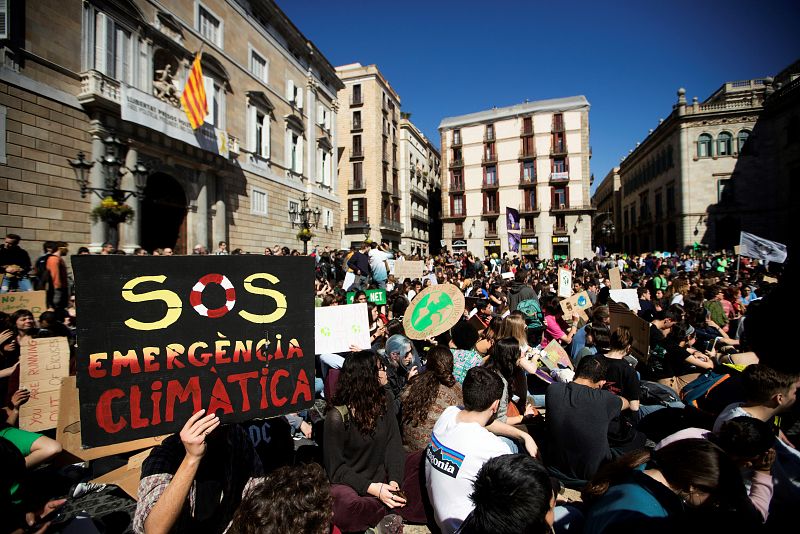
x: 750, y: 444
x: 684, y: 362
x: 194, y: 480
x: 363, y: 451
x: 426, y: 397
x: 460, y: 445
x: 690, y: 485
x: 465, y: 357
x: 579, y: 414
x: 556, y: 322
x: 511, y: 494
x: 511, y: 366
x: 290, y: 499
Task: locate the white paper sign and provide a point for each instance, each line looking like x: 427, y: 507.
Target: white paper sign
x: 564, y: 283
x: 349, y: 280
x: 507, y: 275
x: 336, y: 328
x: 628, y: 297
x: 408, y: 269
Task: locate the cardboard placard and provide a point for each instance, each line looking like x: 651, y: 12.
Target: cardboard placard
x: 408, y: 269
x: 375, y: 296
x: 43, y: 363
x: 127, y: 477
x: 769, y: 279
x: 577, y: 303
x: 338, y: 327
x: 68, y: 430
x: 614, y: 278
x: 35, y: 301
x: 434, y: 310
x: 554, y: 355
x: 564, y: 283
x: 627, y: 296
x: 161, y: 338
x: 640, y: 329
x: 737, y: 249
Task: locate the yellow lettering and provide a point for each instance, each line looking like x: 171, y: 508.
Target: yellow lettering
x: 170, y: 298
x: 280, y: 299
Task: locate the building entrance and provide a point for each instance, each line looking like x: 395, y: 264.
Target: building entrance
x: 163, y: 216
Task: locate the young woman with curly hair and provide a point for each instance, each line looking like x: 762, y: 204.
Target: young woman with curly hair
x: 362, y: 451
x: 426, y: 397
x: 505, y: 360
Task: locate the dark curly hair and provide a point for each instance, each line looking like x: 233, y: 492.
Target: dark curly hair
x: 421, y: 391
x: 359, y: 389
x: 290, y: 499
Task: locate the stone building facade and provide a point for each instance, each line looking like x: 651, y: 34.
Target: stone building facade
x: 673, y: 179
x: 606, y: 201
x: 77, y: 74
x: 420, y: 182
x: 532, y: 157
x: 368, y: 165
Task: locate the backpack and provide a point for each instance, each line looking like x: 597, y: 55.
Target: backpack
x: 700, y: 387
x: 534, y: 317
x: 42, y: 274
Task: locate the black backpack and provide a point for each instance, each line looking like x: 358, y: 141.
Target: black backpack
x: 42, y: 274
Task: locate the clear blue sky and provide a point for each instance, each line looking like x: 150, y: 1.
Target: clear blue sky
x: 449, y: 57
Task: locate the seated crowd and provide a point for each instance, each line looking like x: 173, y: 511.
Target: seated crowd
x: 475, y: 429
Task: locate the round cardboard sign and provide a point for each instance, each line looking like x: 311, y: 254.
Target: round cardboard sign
x: 433, y: 311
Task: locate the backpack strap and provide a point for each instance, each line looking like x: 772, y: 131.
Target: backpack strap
x: 344, y: 412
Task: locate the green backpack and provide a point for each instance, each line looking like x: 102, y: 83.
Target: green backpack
x: 534, y: 317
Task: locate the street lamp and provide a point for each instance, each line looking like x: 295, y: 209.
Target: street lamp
x: 306, y: 218
x: 367, y: 231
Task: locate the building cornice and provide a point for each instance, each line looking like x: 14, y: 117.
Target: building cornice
x: 569, y: 103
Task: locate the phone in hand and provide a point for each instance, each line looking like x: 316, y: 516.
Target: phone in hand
x: 398, y: 493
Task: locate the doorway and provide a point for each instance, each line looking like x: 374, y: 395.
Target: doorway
x: 164, y: 214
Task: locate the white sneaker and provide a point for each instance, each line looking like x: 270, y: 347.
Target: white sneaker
x: 84, y: 488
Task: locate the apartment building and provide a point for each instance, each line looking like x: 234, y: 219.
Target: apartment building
x: 531, y: 157
x: 369, y: 173
x: 106, y: 78
x: 420, y: 183
x: 607, y: 220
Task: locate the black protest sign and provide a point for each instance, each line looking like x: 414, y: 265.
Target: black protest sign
x: 162, y: 337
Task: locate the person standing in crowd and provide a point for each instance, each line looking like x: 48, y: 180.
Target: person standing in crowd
x: 195, y: 480
x: 222, y: 249
x: 520, y: 290
x: 16, y: 264
x: 378, y: 264
x: 359, y: 263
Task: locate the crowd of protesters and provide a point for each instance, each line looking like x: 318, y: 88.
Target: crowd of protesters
x: 469, y: 430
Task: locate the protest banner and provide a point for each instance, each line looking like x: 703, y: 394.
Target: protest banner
x: 555, y: 355
x: 577, y: 303
x: 408, y: 269
x: 564, y: 283
x: 35, y: 301
x: 161, y: 338
x: 769, y: 279
x: 43, y: 362
x: 336, y: 328
x: 375, y: 296
x: 434, y: 310
x: 640, y: 329
x: 614, y: 278
x: 508, y: 275
x: 627, y: 296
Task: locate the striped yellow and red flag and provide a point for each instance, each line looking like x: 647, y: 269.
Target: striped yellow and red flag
x: 193, y: 98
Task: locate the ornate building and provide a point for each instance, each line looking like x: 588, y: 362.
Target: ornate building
x: 531, y: 157
x: 101, y: 77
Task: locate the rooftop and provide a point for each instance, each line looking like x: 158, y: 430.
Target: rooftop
x: 526, y: 108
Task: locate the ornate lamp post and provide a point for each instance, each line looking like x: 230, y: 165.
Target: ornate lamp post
x: 607, y: 228
x: 367, y: 232
x: 112, y: 209
x: 306, y: 218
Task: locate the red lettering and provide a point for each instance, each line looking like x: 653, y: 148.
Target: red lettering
x: 149, y: 355
x: 129, y: 360
x: 273, y: 386
x: 105, y: 418
x: 173, y: 351
x: 204, y: 356
x: 302, y: 386
x: 177, y: 392
x: 220, y: 399
x: 156, y: 398
x: 243, y: 351
x: 95, y: 366
x: 294, y: 350
x: 263, y: 382
x: 242, y: 378
x: 137, y: 421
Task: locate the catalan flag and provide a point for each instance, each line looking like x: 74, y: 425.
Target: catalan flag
x: 193, y: 98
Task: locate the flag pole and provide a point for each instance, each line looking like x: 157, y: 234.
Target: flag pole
x: 738, y: 263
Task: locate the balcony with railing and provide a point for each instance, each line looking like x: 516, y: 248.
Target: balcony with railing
x: 558, y: 124
x: 419, y: 215
x: 489, y: 158
x: 97, y: 89
x: 527, y: 153
x: 526, y: 130
x: 559, y: 176
x: 527, y: 230
x: 356, y: 100
x: 456, y: 186
x: 491, y: 211
x: 456, y: 141
x: 490, y: 183
x: 489, y: 137
x: 491, y: 232
x: 458, y: 234
x: 356, y: 152
x: 418, y: 191
x: 529, y: 209
x: 454, y: 163
x: 560, y: 230
x: 558, y: 149
x: 527, y: 181
x: 356, y: 127
x: 560, y: 207
x: 357, y: 185
x: 388, y: 225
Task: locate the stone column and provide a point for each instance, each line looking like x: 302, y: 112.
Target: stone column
x: 201, y: 215
x: 131, y: 232
x: 219, y: 215
x: 97, y: 180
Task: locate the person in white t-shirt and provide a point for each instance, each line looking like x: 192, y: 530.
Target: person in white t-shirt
x: 460, y: 445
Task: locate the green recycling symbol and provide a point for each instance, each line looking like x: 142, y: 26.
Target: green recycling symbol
x: 356, y: 329
x: 325, y: 331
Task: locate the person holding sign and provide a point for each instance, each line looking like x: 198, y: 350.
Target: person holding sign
x: 195, y: 480
x: 556, y: 323
x: 363, y: 451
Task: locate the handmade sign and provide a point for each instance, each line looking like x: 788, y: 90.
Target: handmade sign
x: 554, y: 355
x: 408, y: 269
x: 614, y: 278
x: 769, y: 280
x: 336, y: 328
x: 564, y: 282
x: 640, y: 329
x: 35, y: 301
x: 43, y: 363
x: 375, y: 296
x: 161, y: 338
x: 434, y: 310
x: 627, y: 296
x: 577, y: 304
x: 508, y: 275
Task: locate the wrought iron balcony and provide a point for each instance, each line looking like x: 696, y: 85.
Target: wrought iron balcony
x: 391, y: 226
x: 490, y: 184
x: 559, y: 176
x: 527, y: 209
x: 559, y: 230
x: 527, y: 153
x: 559, y: 149
x: 456, y: 186
x: 489, y: 158
x: 456, y: 163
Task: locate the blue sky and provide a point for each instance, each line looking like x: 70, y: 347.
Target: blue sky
x: 448, y: 57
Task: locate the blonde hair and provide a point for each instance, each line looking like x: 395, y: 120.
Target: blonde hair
x: 514, y: 326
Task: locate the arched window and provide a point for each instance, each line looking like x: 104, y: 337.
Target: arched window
x: 741, y: 139
x: 704, y: 146
x: 724, y: 144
